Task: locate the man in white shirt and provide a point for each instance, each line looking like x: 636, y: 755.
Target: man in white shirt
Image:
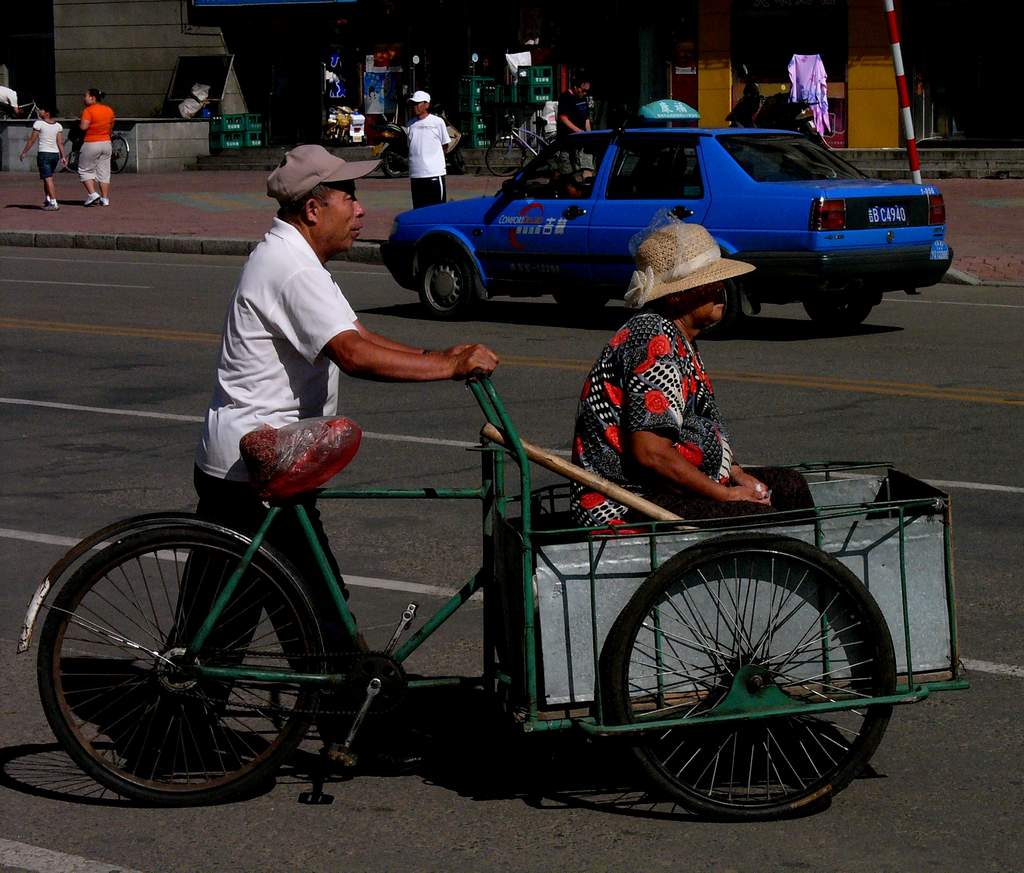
x: 288, y: 330
x: 428, y: 142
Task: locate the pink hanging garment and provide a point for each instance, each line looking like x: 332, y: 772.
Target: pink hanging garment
x: 808, y: 83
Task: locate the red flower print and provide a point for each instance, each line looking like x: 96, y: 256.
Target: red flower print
x: 659, y: 346
x: 619, y: 338
x: 614, y: 393
x: 655, y: 402
x: 585, y: 393
x: 681, y: 348
x: 591, y: 499
x: 611, y: 434
x: 577, y: 449
x: 691, y: 452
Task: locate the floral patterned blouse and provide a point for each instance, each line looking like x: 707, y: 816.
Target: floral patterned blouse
x: 648, y: 378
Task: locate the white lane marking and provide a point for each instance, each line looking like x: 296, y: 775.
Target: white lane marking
x: 998, y: 669
x: 28, y: 536
x: 62, y: 282
x: 370, y: 272
x: 432, y: 441
x: 956, y: 303
x: 23, y: 856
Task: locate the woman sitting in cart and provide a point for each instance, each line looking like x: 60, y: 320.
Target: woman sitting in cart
x: 647, y: 418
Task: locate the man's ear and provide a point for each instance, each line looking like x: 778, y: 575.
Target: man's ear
x: 311, y: 210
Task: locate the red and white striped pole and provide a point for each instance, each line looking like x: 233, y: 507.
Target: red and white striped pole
x: 901, y: 86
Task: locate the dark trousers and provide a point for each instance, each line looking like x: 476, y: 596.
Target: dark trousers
x: 789, y: 491
x: 429, y: 191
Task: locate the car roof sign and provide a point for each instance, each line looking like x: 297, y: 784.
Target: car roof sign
x: 668, y: 110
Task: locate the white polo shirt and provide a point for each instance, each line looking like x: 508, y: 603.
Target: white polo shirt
x: 285, y: 309
x: 427, y: 138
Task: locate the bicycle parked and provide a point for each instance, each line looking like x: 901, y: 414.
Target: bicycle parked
x: 119, y: 151
x: 510, y: 151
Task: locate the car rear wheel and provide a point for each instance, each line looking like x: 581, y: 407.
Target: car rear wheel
x: 838, y: 312
x: 446, y: 281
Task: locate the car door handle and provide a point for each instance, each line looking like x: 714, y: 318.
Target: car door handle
x: 681, y: 212
x: 574, y: 211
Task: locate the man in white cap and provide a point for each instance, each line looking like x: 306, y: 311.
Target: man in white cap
x: 287, y: 324
x: 428, y: 142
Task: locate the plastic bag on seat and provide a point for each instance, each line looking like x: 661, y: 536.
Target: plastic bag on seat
x: 284, y: 461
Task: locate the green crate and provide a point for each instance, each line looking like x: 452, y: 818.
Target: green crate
x: 472, y: 86
x: 228, y: 139
x: 474, y: 123
x: 540, y: 76
x: 470, y: 105
x: 252, y: 139
x: 478, y: 140
x: 541, y: 93
x: 253, y: 121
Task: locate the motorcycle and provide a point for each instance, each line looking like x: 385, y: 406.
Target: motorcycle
x: 776, y: 112
x: 343, y: 126
x: 393, y: 150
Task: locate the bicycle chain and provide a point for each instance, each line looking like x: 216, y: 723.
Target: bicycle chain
x: 383, y: 703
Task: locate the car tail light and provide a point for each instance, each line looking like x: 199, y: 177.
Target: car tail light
x: 828, y: 214
x: 936, y: 209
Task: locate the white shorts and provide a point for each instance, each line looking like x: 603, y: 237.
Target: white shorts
x: 94, y: 161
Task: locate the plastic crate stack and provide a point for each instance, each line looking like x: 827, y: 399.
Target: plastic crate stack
x: 236, y: 131
x: 537, y: 85
x: 475, y: 92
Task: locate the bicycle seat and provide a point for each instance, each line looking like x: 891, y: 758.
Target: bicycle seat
x: 298, y: 457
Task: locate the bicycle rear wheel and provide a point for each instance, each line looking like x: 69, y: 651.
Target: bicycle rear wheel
x: 124, y: 704
x: 505, y: 156
x: 119, y: 150
x: 742, y: 624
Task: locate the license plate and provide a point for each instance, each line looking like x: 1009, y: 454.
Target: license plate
x: 888, y: 216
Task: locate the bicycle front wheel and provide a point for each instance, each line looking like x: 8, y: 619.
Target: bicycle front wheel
x: 123, y: 702
x: 119, y: 150
x: 743, y: 625
x: 505, y: 156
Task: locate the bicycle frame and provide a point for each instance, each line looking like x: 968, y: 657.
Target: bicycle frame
x: 490, y: 493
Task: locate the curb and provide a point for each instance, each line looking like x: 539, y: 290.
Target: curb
x: 959, y: 277
x: 364, y: 252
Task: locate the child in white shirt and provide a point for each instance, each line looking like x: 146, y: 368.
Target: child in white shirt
x: 51, y: 154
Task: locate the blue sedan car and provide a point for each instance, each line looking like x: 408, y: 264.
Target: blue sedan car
x: 819, y: 231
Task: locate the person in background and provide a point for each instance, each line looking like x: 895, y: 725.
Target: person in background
x: 8, y: 102
x: 97, y: 122
x: 574, y: 107
x: 428, y: 142
x: 50, y: 135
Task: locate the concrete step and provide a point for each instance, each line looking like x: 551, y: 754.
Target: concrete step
x: 892, y: 172
x: 936, y: 154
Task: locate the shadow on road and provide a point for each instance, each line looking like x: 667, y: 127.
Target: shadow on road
x: 611, y: 318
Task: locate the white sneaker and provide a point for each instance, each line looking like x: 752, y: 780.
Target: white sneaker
x: 51, y: 206
x: 92, y: 199
x: 104, y: 201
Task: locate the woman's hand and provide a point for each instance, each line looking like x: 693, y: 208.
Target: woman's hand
x: 752, y: 493
x: 742, y: 477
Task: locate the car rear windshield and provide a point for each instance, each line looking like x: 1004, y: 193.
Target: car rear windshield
x: 773, y: 158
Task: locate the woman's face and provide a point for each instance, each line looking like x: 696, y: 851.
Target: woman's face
x: 699, y: 308
x: 88, y: 99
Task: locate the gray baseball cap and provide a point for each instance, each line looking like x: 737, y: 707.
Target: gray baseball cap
x: 306, y: 166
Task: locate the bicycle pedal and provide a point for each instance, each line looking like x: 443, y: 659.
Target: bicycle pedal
x: 403, y: 623
x: 315, y: 798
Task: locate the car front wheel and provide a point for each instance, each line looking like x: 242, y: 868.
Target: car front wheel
x: 838, y: 312
x: 445, y: 281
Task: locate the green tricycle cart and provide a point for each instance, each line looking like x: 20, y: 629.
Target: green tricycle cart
x: 750, y: 671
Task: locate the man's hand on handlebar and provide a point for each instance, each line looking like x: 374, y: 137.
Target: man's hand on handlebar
x: 473, y: 360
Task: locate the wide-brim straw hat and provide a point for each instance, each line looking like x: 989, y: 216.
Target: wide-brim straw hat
x: 678, y: 257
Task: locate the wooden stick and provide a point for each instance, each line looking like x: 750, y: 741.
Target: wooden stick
x: 598, y: 483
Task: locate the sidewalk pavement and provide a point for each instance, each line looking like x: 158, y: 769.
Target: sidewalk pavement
x: 226, y: 212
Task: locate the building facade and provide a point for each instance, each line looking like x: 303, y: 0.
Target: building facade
x: 292, y: 60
